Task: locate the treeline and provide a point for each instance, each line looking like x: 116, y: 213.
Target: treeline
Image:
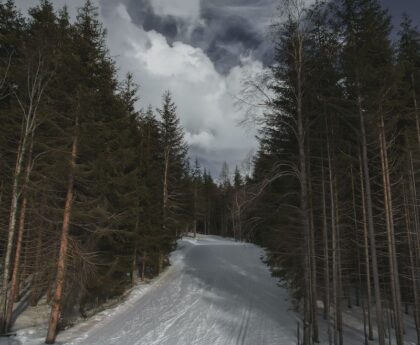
x: 336, y: 180
x: 93, y: 193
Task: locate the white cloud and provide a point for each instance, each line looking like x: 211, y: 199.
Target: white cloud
x: 205, y: 98
x: 177, y: 61
x: 203, y: 139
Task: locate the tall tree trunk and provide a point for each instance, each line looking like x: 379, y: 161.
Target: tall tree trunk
x: 1, y: 192
x: 134, y: 262
x: 314, y: 297
x: 412, y: 265
x: 14, y: 283
x: 165, y: 188
x: 27, y: 257
x: 134, y: 271
x: 62, y: 256
x: 338, y: 267
x: 356, y: 233
x: 36, y: 274
x: 143, y: 267
x: 416, y: 108
x: 16, y: 191
x: 367, y: 260
x: 195, y: 210
x: 413, y: 189
x: 21, y: 229
x: 304, y: 195
x: 334, y: 245
x: 371, y: 227
x: 393, y: 264
x: 311, y: 239
x: 327, y: 302
x: 160, y: 262
x: 413, y: 240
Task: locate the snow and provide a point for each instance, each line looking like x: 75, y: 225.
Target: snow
x: 216, y: 291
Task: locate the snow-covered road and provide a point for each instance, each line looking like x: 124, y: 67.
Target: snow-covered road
x: 216, y: 292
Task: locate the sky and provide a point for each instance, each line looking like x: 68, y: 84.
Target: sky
x: 202, y: 51
x: 398, y: 7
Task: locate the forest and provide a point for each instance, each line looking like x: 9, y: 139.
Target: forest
x: 93, y: 193
x: 96, y: 187
x: 338, y: 164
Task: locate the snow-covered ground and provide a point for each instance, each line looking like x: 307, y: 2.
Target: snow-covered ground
x: 216, y: 292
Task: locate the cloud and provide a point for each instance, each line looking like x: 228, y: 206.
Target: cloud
x: 224, y: 30
x: 203, y: 139
x: 141, y: 40
x: 201, y: 50
x: 205, y: 98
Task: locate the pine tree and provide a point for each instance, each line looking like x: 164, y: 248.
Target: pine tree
x: 174, y: 160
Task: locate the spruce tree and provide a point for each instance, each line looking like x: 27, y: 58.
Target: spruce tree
x: 174, y: 164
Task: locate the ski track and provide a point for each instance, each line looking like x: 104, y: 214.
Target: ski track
x: 217, y: 292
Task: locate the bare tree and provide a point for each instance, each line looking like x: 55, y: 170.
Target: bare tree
x: 16, y: 267
x: 29, y: 100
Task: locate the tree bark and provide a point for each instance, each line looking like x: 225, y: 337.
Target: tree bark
x: 62, y: 256
x: 134, y: 269
x: 327, y: 302
x: 143, y: 267
x: 165, y: 188
x: 393, y: 264
x: 21, y: 229
x: 314, y: 297
x: 334, y: 245
x: 412, y: 265
x: 413, y: 189
x: 15, y: 275
x: 367, y: 261
x: 36, y: 271
x: 303, y: 178
x: 371, y: 227
x: 160, y: 262
x: 416, y: 109
x: 413, y: 241
x: 12, y: 229
x: 195, y: 209
x: 338, y: 266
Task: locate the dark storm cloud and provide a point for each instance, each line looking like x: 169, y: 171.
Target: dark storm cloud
x: 142, y: 14
x: 228, y: 29
x: 226, y: 37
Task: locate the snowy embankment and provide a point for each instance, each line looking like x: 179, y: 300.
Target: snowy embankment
x: 215, y: 292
